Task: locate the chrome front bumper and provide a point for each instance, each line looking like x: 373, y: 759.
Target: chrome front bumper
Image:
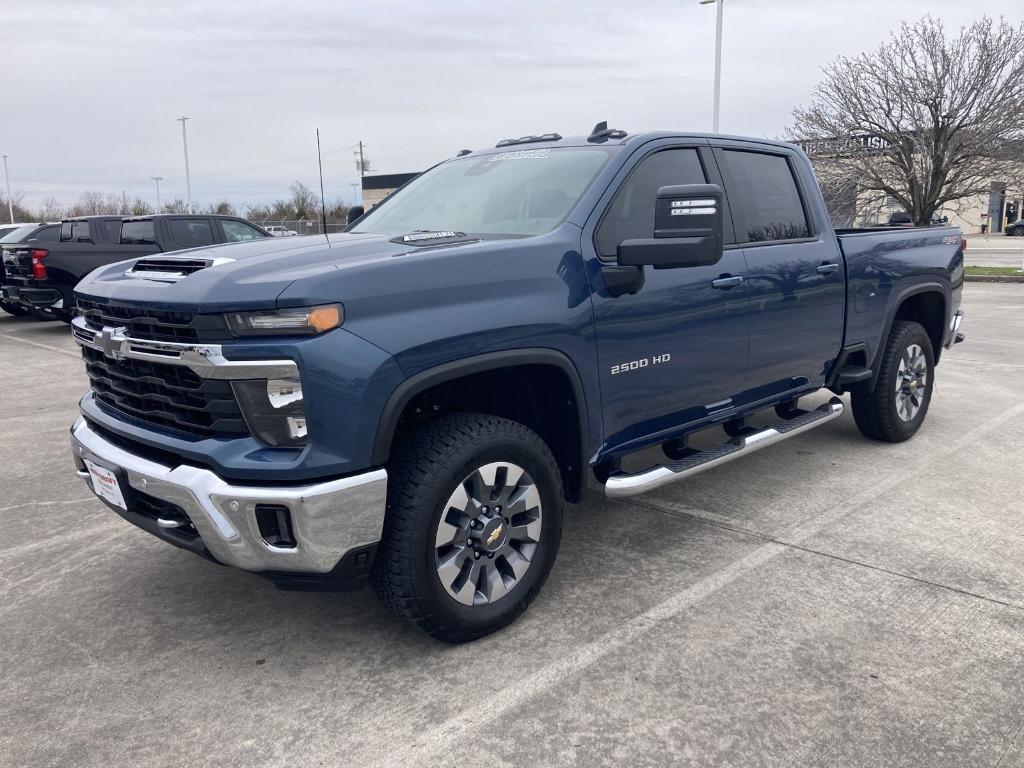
x: 328, y: 519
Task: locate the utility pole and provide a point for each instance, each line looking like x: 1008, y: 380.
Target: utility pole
x: 10, y: 202
x: 718, y: 59
x: 362, y: 162
x: 188, y: 179
x: 157, y: 179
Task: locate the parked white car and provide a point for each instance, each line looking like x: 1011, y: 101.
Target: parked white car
x: 278, y: 231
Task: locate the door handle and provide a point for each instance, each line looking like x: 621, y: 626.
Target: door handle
x: 828, y: 269
x: 726, y: 282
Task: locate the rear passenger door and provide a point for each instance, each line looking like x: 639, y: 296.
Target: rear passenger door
x: 795, y: 275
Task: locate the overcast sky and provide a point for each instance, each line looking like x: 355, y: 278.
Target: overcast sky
x: 91, y: 90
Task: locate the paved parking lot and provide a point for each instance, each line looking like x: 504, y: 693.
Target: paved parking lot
x: 827, y: 602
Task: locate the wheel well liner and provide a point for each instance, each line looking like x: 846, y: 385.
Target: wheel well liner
x: 571, y: 455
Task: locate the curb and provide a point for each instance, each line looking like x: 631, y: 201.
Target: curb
x: 994, y: 278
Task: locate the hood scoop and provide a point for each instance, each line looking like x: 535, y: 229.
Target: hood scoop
x: 170, y: 269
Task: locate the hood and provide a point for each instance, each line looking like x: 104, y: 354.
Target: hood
x: 249, y: 275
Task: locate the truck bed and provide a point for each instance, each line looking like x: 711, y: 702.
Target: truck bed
x: 886, y: 264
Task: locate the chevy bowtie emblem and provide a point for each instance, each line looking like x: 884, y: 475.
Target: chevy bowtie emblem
x: 110, y: 341
x: 495, y: 534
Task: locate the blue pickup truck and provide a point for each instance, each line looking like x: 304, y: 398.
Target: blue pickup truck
x: 411, y: 402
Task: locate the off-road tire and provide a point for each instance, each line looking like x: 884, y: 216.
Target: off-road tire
x: 426, y: 468
x: 875, y: 410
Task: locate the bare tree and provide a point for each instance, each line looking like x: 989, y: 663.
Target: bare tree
x: 223, y: 208
x: 926, y: 119
x: 21, y: 211
x: 52, y: 210
x: 177, y: 205
x: 303, y: 201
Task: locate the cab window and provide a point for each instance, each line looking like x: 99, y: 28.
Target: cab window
x: 764, y: 191
x: 137, y: 233
x: 237, y: 231
x: 191, y: 233
x: 631, y: 214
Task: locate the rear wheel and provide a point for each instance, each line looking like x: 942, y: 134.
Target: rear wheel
x: 895, y: 409
x: 472, y: 527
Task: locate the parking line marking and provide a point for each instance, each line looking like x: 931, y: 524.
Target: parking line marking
x: 478, y: 714
x: 41, y: 345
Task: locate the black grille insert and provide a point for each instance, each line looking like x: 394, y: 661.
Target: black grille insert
x: 166, y: 395
x: 155, y: 325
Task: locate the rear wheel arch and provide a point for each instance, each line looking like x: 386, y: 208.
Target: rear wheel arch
x: 927, y: 304
x: 537, y: 387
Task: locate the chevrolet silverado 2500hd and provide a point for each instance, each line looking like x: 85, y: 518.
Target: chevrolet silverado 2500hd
x: 412, y: 401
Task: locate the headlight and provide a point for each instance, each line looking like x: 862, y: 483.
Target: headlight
x: 273, y: 410
x: 305, y: 320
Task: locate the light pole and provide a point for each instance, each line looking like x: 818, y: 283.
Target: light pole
x: 188, y: 179
x: 355, y: 192
x: 157, y: 179
x: 7, y: 181
x: 718, y: 59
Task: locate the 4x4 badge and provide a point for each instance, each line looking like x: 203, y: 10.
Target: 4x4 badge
x: 110, y: 341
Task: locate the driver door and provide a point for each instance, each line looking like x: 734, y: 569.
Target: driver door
x: 675, y: 350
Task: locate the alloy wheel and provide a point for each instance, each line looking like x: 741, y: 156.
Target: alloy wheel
x: 911, y: 382
x: 488, y: 532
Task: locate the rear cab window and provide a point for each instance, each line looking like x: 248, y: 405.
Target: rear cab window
x: 765, y: 197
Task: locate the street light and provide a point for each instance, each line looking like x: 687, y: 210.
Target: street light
x: 10, y: 203
x: 718, y: 59
x: 188, y: 180
x: 157, y: 179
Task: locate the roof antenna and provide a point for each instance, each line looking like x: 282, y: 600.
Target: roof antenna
x: 323, y: 202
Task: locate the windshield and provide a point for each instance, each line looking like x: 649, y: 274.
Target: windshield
x: 516, y: 193
x: 19, y: 234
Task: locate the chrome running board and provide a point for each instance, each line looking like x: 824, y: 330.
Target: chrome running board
x: 622, y: 484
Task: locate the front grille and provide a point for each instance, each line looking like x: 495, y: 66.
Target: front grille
x: 155, y: 325
x: 169, y: 396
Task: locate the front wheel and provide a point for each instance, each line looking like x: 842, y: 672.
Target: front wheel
x: 472, y: 528
x: 895, y: 409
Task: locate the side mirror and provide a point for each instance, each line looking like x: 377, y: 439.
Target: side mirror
x: 687, y: 230
x: 354, y: 213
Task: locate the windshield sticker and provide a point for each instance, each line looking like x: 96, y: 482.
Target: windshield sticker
x: 521, y: 154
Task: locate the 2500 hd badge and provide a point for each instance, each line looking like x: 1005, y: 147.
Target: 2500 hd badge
x: 635, y: 365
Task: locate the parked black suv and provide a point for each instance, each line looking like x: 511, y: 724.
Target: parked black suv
x: 44, y: 278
